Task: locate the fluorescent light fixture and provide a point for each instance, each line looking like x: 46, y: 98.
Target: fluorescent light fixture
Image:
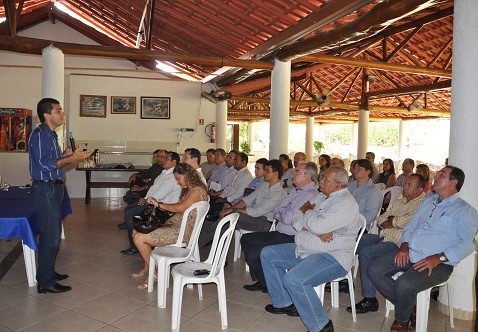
x: 163, y: 66
x: 3, y: 19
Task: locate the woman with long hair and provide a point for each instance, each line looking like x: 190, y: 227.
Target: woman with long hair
x: 388, y: 176
x: 287, y: 168
x: 324, y: 163
x: 424, y: 171
x: 193, y: 190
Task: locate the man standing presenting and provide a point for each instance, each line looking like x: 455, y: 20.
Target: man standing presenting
x: 46, y: 164
x: 391, y: 223
x: 437, y: 238
x: 323, y: 251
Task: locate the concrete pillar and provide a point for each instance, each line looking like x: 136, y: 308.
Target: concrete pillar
x: 402, y: 140
x: 463, y: 137
x: 221, y: 124
x: 280, y: 104
x: 53, y: 83
x: 250, y: 136
x: 309, y: 138
x: 362, y: 144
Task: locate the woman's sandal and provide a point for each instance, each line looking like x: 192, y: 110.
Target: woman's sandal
x: 144, y: 284
x: 141, y: 273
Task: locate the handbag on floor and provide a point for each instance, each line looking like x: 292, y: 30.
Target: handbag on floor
x: 150, y: 219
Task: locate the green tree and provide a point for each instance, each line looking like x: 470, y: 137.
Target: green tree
x: 383, y: 134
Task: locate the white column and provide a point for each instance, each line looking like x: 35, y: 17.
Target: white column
x: 280, y: 104
x: 402, y: 140
x: 221, y: 124
x: 250, y: 135
x: 463, y: 136
x: 53, y: 82
x: 309, y: 138
x: 362, y: 133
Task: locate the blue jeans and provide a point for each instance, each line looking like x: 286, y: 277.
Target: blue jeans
x: 252, y: 244
x: 129, y: 212
x: 297, y: 285
x: 369, y: 248
x: 403, y: 291
x: 48, y: 200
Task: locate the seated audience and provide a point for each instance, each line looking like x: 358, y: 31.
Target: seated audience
x: 193, y: 190
x: 256, y: 209
x: 207, y: 166
x: 220, y: 169
x: 305, y: 189
x: 142, y: 180
x: 258, y: 180
x: 368, y: 197
x: 324, y: 163
x: 228, y: 176
x: 370, y: 156
x: 287, y: 169
x: 387, y: 177
x: 337, y: 162
x: 407, y: 168
x: 424, y: 171
x: 435, y: 240
x: 323, y: 251
x: 299, y: 157
x: 192, y: 157
x: 351, y: 170
x: 164, y: 189
x: 391, y: 224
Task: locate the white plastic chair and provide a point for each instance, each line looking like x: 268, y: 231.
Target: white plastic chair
x: 380, y: 186
x: 423, y: 305
x: 334, y: 284
x: 184, y: 273
x: 237, y: 240
x: 163, y: 257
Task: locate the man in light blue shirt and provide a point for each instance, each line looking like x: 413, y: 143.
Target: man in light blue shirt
x: 437, y: 238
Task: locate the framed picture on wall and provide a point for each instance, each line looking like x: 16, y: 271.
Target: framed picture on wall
x: 93, y: 106
x: 155, y: 107
x: 123, y: 105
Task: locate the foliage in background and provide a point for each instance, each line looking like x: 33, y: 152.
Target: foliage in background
x: 245, y: 147
x: 318, y: 146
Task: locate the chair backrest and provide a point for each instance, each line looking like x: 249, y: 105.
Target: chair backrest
x: 221, y: 242
x: 363, y: 221
x: 395, y: 193
x: 184, y: 221
x: 202, y: 208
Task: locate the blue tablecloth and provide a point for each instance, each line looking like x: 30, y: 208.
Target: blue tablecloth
x: 18, y: 215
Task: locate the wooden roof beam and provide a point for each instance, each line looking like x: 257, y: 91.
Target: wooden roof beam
x: 442, y: 85
x: 12, y: 15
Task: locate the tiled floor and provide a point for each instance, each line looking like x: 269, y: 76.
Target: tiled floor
x: 105, y: 297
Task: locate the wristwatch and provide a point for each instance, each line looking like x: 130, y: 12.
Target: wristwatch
x: 443, y: 258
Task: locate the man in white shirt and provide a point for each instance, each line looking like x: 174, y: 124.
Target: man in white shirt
x: 192, y: 157
x: 228, y: 176
x: 165, y: 189
x: 255, y: 210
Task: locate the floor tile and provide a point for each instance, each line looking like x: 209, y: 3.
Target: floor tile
x: 67, y: 321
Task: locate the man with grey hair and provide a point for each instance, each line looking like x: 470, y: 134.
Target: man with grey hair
x: 323, y: 251
x: 337, y: 162
x: 299, y: 158
x: 305, y: 189
x: 407, y: 168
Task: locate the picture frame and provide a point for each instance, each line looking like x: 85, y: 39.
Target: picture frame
x: 123, y: 105
x: 155, y: 107
x: 93, y: 106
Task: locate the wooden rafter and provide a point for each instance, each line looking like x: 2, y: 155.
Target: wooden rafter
x: 12, y: 14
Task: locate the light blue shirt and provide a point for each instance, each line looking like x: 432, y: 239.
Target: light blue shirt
x: 448, y: 226
x: 256, y: 183
x: 369, y: 199
x: 217, y: 174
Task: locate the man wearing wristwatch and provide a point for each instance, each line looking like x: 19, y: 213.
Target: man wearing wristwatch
x: 437, y: 238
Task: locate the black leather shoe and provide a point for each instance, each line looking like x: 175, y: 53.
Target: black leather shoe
x: 343, y: 287
x: 328, y: 328
x: 122, y: 226
x: 59, y: 277
x: 55, y: 288
x: 130, y: 251
x: 289, y: 311
x: 366, y: 305
x: 255, y: 287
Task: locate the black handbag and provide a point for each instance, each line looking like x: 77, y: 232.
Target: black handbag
x: 150, y: 219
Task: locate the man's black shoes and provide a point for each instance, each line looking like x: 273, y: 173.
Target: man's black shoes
x: 328, y: 328
x: 343, y: 287
x: 289, y: 310
x: 366, y: 305
x: 130, y: 251
x: 255, y: 287
x: 55, y: 288
x: 122, y: 226
x: 59, y: 277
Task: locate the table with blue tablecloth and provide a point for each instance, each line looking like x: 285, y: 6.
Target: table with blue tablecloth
x: 18, y: 220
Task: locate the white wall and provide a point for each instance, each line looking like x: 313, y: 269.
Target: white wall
x: 20, y: 86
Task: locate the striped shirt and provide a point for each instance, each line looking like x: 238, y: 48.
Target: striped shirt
x: 44, y: 152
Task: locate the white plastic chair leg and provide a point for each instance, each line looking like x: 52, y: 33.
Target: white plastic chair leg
x: 355, y: 265
x: 30, y: 264
x: 152, y: 266
x: 162, y: 284
x: 62, y: 232
x: 237, y: 244
x: 177, y: 302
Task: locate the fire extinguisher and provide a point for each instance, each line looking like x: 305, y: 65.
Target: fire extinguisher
x: 212, y: 132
